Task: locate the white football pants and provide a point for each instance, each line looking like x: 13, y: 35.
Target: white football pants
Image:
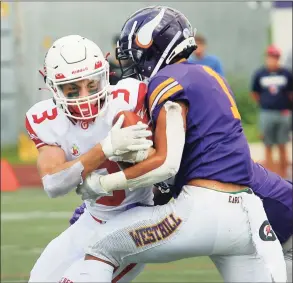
x: 68, y: 248
x: 231, y: 228
x: 288, y: 251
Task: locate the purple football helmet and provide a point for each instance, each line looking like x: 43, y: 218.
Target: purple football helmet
x: 152, y: 38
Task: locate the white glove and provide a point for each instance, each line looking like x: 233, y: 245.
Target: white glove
x: 131, y: 156
x: 91, y: 188
x: 121, y: 140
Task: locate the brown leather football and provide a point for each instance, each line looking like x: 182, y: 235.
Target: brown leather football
x: 130, y: 119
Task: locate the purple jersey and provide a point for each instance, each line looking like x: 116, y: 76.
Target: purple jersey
x: 215, y: 146
x: 276, y: 194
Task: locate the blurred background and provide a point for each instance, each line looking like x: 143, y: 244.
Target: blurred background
x: 236, y: 35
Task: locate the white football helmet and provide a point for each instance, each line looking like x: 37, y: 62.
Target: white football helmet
x: 72, y: 62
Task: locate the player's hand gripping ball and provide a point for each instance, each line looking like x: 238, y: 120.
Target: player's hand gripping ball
x: 130, y: 119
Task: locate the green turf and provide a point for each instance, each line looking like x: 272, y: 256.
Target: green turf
x: 251, y: 132
x: 22, y: 240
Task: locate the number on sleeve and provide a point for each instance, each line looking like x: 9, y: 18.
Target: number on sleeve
x: 118, y: 196
x: 221, y: 82
x: 123, y: 92
x: 45, y: 116
x: 37, y: 141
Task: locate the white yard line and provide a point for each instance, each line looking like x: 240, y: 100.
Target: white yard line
x: 16, y: 216
x: 14, y: 281
x: 15, y: 249
x: 9, y: 247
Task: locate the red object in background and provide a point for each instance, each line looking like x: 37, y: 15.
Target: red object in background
x: 285, y: 112
x: 9, y: 181
x: 27, y: 175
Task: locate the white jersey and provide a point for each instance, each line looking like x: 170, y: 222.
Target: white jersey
x: 48, y: 125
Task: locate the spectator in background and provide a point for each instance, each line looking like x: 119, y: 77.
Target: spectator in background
x: 272, y: 89
x: 199, y: 56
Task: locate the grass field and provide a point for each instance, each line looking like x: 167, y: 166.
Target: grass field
x: 29, y: 220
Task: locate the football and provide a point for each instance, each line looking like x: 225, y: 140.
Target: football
x: 130, y: 119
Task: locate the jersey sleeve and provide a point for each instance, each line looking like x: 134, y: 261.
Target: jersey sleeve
x: 130, y: 94
x: 33, y: 136
x: 160, y: 90
x: 46, y: 125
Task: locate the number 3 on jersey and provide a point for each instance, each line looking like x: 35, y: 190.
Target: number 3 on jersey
x: 221, y: 82
x: 45, y: 115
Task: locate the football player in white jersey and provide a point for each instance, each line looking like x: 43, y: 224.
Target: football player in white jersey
x: 74, y: 135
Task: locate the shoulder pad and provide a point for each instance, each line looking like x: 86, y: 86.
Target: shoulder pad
x: 48, y: 122
x: 160, y: 89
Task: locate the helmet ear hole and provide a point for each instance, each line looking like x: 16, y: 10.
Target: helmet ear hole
x: 164, y: 30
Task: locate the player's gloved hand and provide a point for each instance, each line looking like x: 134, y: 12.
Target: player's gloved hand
x: 91, y: 188
x: 131, y: 156
x: 77, y: 213
x: 122, y: 140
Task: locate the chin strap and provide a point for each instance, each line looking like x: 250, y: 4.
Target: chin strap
x: 107, y: 55
x: 43, y: 75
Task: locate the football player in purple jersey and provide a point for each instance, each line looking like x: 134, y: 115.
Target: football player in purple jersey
x: 198, y: 138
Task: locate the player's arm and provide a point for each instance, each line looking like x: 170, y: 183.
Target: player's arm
x: 165, y: 162
x: 60, y: 176
x: 168, y: 139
